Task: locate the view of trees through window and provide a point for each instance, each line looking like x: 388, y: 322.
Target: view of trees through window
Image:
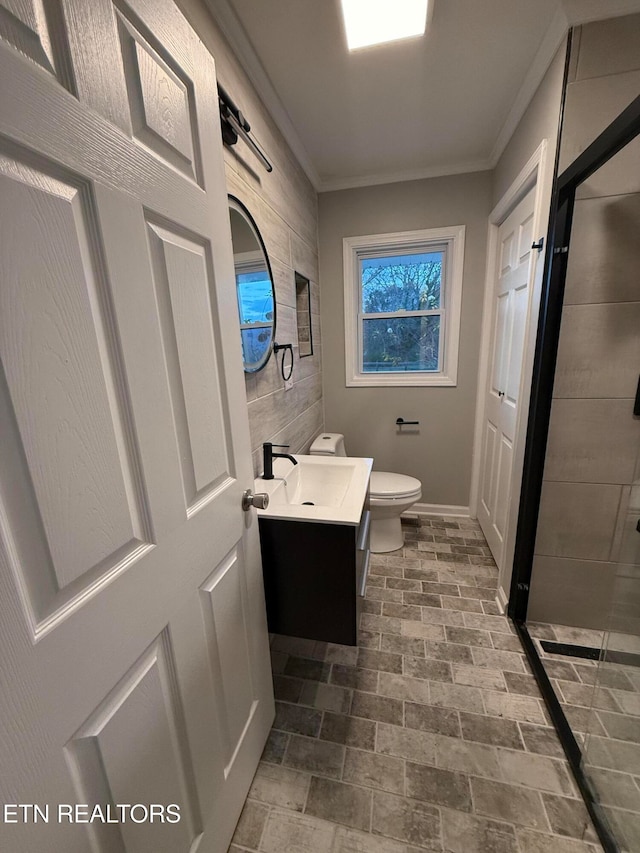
x: 401, y: 312
x: 255, y: 301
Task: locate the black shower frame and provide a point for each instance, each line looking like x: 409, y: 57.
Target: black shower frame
x: 616, y: 136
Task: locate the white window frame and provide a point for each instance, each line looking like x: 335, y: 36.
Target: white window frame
x: 452, y: 239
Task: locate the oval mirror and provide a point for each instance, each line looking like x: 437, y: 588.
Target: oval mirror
x: 254, y: 288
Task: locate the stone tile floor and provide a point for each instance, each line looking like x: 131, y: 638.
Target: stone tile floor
x: 431, y: 735
x: 601, y: 700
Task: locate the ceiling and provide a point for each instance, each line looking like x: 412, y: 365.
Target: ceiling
x: 444, y: 103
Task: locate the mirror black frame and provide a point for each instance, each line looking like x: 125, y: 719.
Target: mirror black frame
x: 234, y: 203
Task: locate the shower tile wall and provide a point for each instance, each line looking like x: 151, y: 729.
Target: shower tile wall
x: 593, y: 438
x: 284, y: 206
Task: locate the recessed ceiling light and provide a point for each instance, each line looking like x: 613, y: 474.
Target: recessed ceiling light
x: 370, y: 22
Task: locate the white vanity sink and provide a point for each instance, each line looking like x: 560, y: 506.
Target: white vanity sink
x: 327, y: 490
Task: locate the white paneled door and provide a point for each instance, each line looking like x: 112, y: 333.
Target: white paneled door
x: 134, y: 652
x: 510, y: 305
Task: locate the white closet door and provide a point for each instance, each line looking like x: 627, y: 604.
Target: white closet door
x: 510, y: 307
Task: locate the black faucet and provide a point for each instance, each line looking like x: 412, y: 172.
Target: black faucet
x: 268, y: 456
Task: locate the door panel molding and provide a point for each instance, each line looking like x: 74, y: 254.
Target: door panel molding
x: 187, y: 318
x: 35, y: 28
x: 224, y: 604
x: 142, y: 714
x: 167, y: 129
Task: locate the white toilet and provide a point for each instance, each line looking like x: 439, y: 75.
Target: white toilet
x: 391, y: 495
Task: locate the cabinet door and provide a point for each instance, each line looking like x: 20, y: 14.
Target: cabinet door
x: 310, y: 579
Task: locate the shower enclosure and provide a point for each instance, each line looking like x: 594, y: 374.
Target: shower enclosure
x: 575, y: 596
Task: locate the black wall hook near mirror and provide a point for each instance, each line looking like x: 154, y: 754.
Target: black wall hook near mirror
x: 285, y: 347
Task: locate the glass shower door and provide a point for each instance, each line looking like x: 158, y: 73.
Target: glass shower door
x: 611, y: 757
x: 575, y: 596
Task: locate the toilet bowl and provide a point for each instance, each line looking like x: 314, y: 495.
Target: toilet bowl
x: 390, y: 496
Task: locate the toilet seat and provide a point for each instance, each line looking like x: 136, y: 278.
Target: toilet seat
x: 387, y: 486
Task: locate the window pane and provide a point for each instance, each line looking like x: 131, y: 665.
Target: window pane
x: 401, y: 282
x: 255, y: 296
x: 255, y: 343
x: 400, y: 344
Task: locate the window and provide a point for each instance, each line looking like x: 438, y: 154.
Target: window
x: 255, y: 303
x: 402, y: 307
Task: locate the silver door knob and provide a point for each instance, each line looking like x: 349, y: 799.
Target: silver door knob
x: 259, y: 501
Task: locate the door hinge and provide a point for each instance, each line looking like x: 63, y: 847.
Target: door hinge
x: 538, y: 245
x: 561, y: 250
x: 523, y: 587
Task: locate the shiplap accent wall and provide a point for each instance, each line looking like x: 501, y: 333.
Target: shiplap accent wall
x: 591, y: 457
x: 284, y: 206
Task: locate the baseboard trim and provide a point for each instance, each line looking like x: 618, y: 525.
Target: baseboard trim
x: 438, y: 509
x: 501, y: 600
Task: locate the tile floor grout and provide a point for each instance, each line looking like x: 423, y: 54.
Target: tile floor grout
x: 401, y: 757
x: 553, y: 760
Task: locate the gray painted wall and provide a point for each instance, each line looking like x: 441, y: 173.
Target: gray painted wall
x: 440, y: 452
x: 594, y: 440
x: 540, y: 121
x: 284, y: 205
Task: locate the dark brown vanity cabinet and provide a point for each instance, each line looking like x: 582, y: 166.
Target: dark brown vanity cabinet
x: 314, y: 576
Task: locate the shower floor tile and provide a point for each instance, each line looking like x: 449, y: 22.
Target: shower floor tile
x: 602, y: 703
x: 432, y: 735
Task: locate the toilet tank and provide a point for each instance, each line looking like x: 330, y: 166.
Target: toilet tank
x: 328, y: 444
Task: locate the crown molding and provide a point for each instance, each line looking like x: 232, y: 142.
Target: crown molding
x: 231, y: 27
x: 226, y: 18
x: 584, y: 11
x: 556, y: 32
x: 356, y: 181
x: 569, y: 13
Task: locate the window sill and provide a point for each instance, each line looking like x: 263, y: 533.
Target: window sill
x: 400, y: 380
